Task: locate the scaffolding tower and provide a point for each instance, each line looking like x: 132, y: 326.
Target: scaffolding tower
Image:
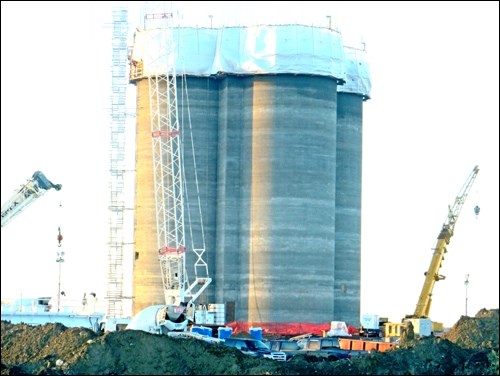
x: 117, y: 204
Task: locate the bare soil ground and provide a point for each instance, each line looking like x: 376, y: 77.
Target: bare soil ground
x: 469, y: 348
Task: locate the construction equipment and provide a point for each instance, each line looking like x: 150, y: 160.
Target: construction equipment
x: 29, y: 192
x: 179, y: 295
x: 432, y: 275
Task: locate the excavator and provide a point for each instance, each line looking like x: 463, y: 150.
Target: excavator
x: 29, y: 192
x: 420, y: 317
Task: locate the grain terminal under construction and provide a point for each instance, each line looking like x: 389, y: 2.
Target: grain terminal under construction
x: 275, y: 113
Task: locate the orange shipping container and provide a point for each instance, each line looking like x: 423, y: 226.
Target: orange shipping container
x: 366, y: 345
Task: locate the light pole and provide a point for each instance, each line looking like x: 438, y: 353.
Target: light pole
x: 59, y: 260
x: 466, y: 283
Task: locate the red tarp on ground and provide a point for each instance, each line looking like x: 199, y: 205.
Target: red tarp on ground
x: 285, y: 329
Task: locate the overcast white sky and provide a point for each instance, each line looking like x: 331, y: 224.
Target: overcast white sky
x: 433, y: 116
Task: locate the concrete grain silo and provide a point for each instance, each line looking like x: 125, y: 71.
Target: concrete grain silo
x: 348, y: 172
x: 146, y: 273
x: 263, y: 104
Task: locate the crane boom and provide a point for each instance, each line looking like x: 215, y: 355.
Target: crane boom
x: 431, y: 276
x: 169, y: 184
x: 26, y: 195
x: 168, y: 175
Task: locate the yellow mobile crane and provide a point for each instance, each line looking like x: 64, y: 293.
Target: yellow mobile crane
x: 432, y: 275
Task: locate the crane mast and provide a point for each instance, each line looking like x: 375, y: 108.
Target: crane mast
x: 431, y: 276
x: 156, y: 61
x: 167, y: 163
x: 168, y: 168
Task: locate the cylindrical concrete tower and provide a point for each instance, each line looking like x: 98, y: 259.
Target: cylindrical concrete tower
x: 147, y: 283
x: 347, y: 269
x: 277, y: 197
x: 263, y: 107
x: 197, y: 101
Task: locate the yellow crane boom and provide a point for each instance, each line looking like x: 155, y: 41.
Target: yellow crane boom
x: 432, y: 275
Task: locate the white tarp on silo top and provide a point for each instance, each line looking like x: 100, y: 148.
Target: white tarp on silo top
x: 357, y: 73
x: 295, y: 49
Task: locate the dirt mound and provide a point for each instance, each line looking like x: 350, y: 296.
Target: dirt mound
x: 478, y: 332
x: 469, y: 348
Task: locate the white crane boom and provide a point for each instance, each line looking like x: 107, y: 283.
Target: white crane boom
x: 169, y: 184
x: 29, y: 192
